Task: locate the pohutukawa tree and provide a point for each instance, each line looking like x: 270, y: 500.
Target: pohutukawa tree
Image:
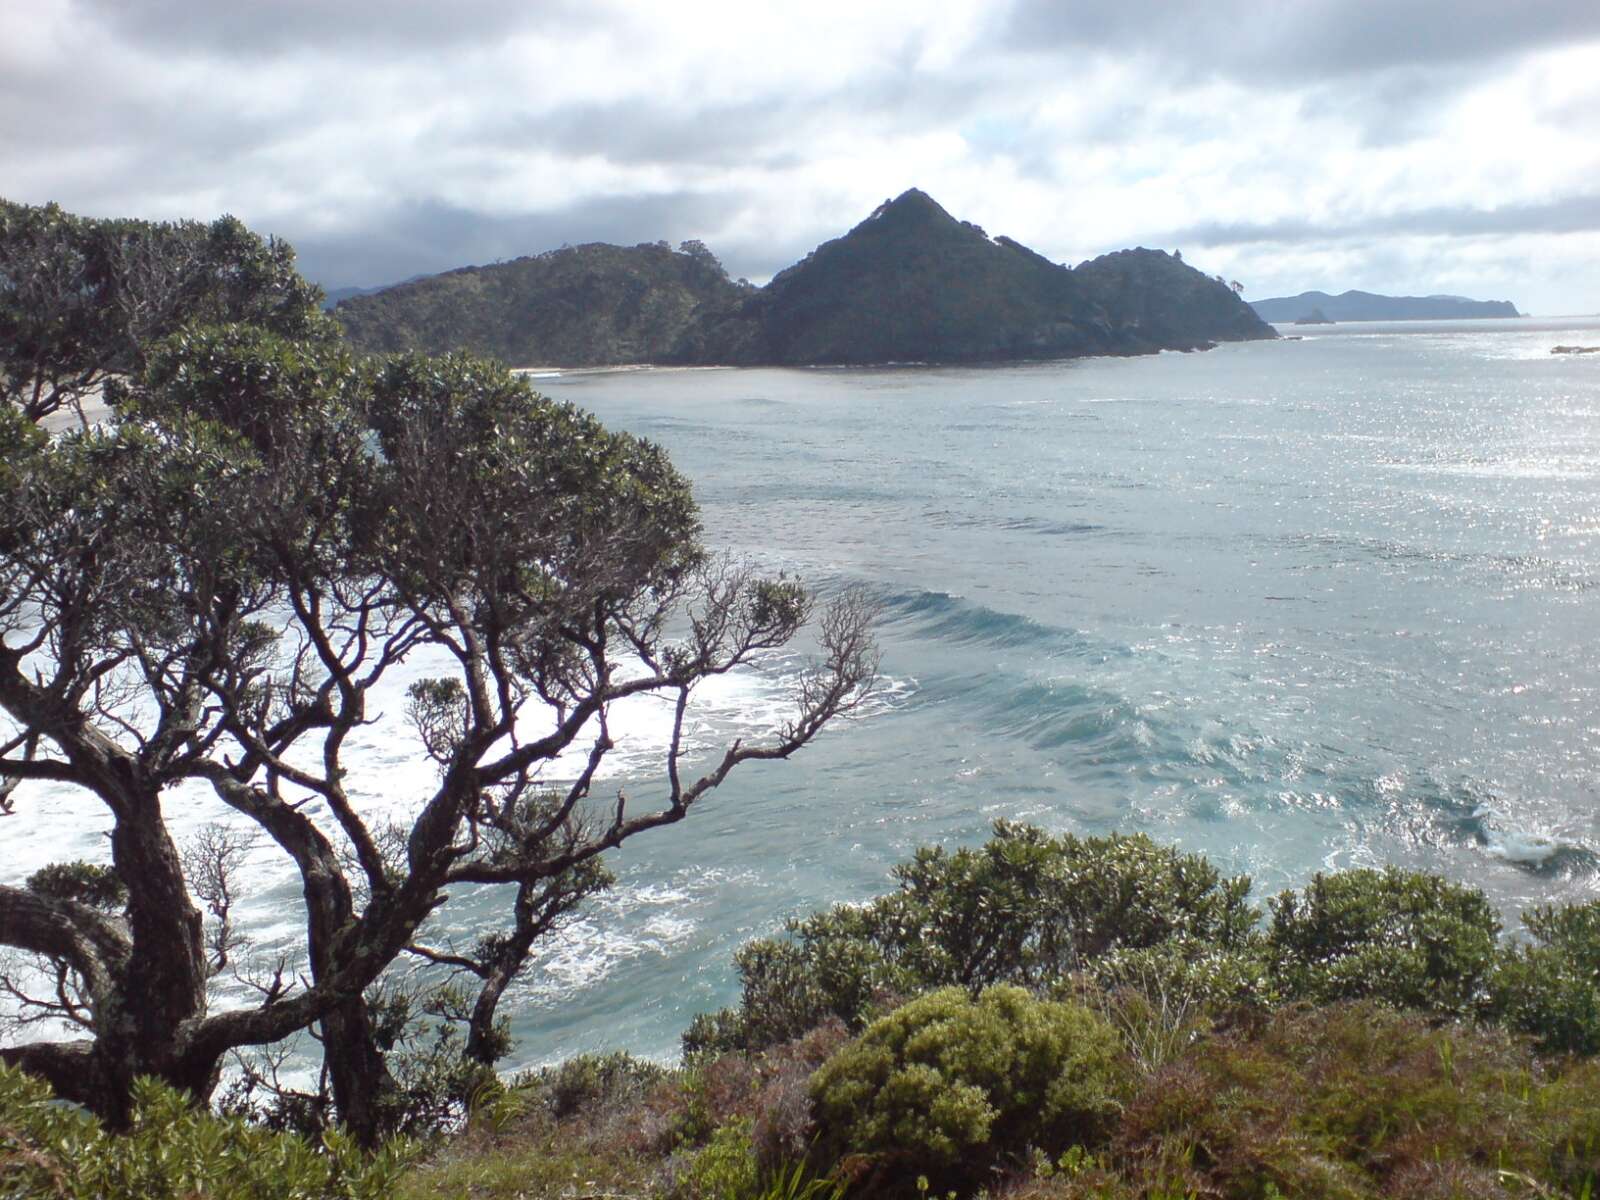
x: 205, y: 591
x: 83, y: 300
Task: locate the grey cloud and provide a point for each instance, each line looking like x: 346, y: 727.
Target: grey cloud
x: 1303, y: 41
x: 109, y: 127
x: 247, y: 29
x: 427, y: 236
x: 1575, y: 214
x: 773, y: 132
x: 644, y: 131
x: 1395, y: 106
x: 121, y: 152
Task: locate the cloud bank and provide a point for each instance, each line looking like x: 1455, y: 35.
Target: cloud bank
x: 1393, y: 146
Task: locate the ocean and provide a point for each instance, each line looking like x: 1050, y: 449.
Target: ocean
x: 1298, y: 605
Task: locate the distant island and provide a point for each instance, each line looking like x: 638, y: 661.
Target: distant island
x: 910, y: 283
x: 1315, y: 317
x: 1368, y: 306
x: 338, y: 295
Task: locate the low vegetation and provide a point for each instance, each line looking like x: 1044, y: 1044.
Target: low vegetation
x: 174, y: 1151
x: 1036, y: 1017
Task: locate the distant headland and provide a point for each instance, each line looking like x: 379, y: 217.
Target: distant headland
x: 909, y: 284
x: 1368, y: 306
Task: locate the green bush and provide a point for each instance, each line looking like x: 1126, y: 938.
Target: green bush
x: 1550, y: 989
x: 948, y: 1086
x: 588, y: 1079
x: 723, y: 1169
x: 1161, y: 999
x: 1117, y: 918
x: 1191, y: 976
x: 1401, y: 937
x: 1024, y: 908
x: 828, y: 966
x: 174, y: 1151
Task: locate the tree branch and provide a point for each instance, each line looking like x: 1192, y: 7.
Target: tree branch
x: 64, y: 931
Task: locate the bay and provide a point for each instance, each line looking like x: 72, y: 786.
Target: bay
x: 1298, y: 605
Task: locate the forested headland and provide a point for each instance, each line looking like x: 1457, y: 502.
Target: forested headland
x: 910, y: 283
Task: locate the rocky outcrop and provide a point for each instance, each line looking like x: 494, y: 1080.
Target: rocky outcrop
x: 1155, y: 301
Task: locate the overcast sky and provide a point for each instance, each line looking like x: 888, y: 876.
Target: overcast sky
x: 1401, y: 146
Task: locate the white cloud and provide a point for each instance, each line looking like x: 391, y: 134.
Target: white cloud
x: 389, y: 137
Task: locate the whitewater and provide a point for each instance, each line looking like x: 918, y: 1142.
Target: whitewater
x: 1299, y: 605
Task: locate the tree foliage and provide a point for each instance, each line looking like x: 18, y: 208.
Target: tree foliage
x: 208, y: 591
x: 82, y: 300
x: 1549, y: 987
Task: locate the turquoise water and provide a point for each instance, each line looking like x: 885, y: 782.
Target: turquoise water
x: 1299, y: 605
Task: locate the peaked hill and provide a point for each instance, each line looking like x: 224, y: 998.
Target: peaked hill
x: 911, y: 283
x: 1369, y: 306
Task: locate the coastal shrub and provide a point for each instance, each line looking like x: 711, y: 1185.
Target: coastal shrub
x: 586, y: 1080
x: 174, y: 1151
x: 1405, y: 938
x: 1163, y: 998
x: 828, y: 966
x: 767, y: 1091
x: 1025, y: 908
x: 783, y: 1128
x: 715, y: 1092
x: 1550, y: 988
x: 947, y: 1086
x: 536, y: 1157
x: 728, y: 1167
x: 1361, y: 1100
x: 724, y: 1169
x: 434, y: 1086
x: 1194, y: 976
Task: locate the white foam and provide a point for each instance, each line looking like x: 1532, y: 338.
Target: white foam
x: 1529, y: 848
x: 390, y: 778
